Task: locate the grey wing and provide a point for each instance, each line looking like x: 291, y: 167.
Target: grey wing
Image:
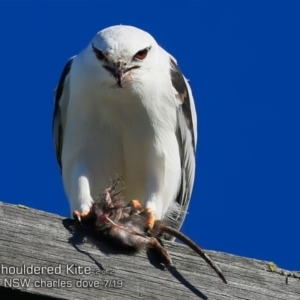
x: 59, y: 115
x: 186, y: 134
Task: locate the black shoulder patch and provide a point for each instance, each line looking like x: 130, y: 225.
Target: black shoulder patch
x: 60, y: 87
x: 56, y: 113
x: 183, y: 96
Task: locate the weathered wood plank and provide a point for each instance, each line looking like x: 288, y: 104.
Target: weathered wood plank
x: 34, y: 238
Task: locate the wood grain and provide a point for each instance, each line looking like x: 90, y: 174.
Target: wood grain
x: 35, y: 238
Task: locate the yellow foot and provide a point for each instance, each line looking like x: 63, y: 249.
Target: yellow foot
x: 81, y: 216
x: 151, y: 218
x: 135, y: 204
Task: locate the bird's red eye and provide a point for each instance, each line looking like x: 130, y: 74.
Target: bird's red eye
x: 98, y: 53
x: 142, y: 54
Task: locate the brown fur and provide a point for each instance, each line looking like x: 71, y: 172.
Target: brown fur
x: 127, y: 225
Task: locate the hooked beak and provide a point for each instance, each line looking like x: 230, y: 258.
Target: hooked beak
x: 119, y: 70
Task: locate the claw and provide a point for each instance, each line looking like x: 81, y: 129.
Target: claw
x: 136, y: 205
x: 80, y: 216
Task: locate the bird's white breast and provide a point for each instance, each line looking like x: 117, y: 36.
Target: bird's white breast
x: 127, y: 132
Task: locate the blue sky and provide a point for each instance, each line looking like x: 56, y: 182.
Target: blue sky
x: 242, y: 60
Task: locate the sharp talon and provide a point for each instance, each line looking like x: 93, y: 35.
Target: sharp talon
x: 80, y: 216
x: 136, y: 205
x: 76, y: 216
x: 151, y: 218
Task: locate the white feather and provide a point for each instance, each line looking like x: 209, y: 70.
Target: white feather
x: 110, y: 131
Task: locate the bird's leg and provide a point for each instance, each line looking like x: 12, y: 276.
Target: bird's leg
x: 151, y: 218
x: 136, y: 205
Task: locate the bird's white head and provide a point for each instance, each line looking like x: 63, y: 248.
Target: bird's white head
x: 121, y: 52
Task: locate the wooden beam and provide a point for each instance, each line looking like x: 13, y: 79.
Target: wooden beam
x: 41, y: 258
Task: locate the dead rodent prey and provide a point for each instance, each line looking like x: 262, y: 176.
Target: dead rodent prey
x: 132, y: 225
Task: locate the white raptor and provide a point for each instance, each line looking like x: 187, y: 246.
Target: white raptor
x: 122, y: 107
